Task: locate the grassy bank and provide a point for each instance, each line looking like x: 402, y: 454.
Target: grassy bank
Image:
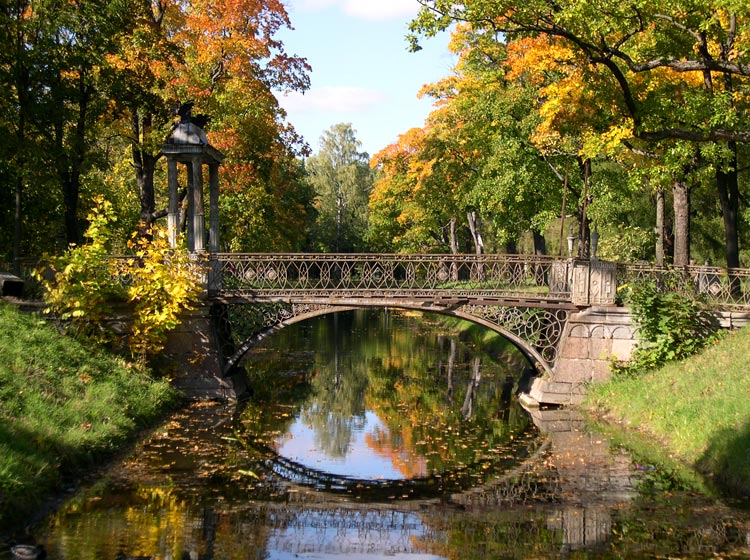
x: 62, y: 407
x: 698, y: 408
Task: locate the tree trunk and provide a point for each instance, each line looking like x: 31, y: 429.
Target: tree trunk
x: 72, y: 186
x: 660, y: 227
x: 69, y: 175
x: 17, y: 227
x: 476, y: 234
x: 21, y: 78
x: 584, y: 231
x: 729, y: 195
x: 477, y: 270
x: 540, y: 243
x: 681, y: 203
x: 540, y: 248
x: 17, y: 219
x: 144, y: 164
x: 339, y: 215
x: 454, y: 249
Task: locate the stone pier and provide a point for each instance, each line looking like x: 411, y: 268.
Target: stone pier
x: 592, y: 339
x: 193, y: 352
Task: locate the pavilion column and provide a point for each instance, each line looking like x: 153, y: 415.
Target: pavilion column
x: 190, y: 211
x: 213, y: 234
x: 199, y: 227
x: 173, y: 217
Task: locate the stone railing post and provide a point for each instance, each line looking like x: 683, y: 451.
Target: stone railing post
x: 594, y: 283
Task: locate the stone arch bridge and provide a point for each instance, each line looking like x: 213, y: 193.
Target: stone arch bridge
x: 560, y: 312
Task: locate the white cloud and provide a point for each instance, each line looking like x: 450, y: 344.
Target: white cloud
x: 370, y: 10
x: 332, y: 100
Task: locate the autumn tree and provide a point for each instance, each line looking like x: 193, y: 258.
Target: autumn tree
x: 679, y: 74
x: 400, y: 220
x: 517, y: 184
x: 225, y: 59
x: 342, y: 179
x: 473, y: 164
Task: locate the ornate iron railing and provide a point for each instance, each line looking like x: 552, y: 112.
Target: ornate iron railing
x: 377, y: 275
x: 719, y: 288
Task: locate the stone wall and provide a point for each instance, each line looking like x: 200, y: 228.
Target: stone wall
x: 592, y: 338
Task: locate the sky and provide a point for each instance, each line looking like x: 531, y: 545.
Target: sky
x: 362, y: 71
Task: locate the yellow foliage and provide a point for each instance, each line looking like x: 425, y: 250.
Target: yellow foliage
x: 81, y: 285
x: 165, y: 282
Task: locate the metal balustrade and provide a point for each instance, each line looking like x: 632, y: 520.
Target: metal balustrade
x: 393, y: 275
x: 718, y: 288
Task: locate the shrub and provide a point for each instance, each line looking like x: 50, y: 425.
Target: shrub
x: 158, y: 281
x: 164, y: 283
x: 671, y: 327
x: 78, y: 285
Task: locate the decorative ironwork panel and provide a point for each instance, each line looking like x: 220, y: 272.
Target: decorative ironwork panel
x: 540, y: 328
x: 717, y: 287
x: 248, y: 320
x: 393, y: 275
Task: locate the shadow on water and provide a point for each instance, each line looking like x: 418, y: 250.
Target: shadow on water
x: 471, y: 474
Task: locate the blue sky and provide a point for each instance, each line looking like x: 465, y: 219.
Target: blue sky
x: 362, y: 71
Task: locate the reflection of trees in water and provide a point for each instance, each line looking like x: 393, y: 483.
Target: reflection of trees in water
x: 439, y: 402
x: 474, y: 378
x: 338, y: 406
x: 333, y: 432
x: 162, y: 509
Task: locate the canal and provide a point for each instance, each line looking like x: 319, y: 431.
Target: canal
x: 386, y: 434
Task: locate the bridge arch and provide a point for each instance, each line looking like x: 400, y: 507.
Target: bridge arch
x: 286, y: 314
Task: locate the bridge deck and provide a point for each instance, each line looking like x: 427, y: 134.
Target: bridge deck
x: 523, y: 280
x: 387, y: 300
x: 440, y: 279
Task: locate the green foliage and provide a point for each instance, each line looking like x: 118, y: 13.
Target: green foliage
x: 671, y: 327
x: 626, y: 243
x: 82, y: 285
x: 342, y: 179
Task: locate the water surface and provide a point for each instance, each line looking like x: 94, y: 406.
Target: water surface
x: 385, y: 435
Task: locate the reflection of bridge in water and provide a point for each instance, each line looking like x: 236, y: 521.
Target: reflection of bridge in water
x: 569, y: 494
x: 561, y: 313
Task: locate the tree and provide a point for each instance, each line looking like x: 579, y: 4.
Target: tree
x: 51, y: 73
x: 226, y: 59
x: 679, y: 74
x: 342, y: 180
x: 473, y: 163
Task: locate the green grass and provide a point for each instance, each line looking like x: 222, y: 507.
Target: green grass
x: 63, y: 406
x: 698, y: 408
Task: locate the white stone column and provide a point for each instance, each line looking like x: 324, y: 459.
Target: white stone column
x: 190, y: 202
x: 199, y: 227
x: 173, y: 216
x: 213, y: 236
